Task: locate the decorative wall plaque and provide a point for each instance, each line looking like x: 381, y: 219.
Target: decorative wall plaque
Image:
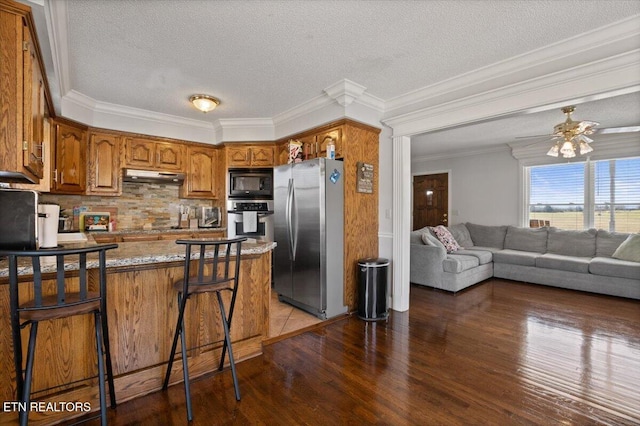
x: 365, y: 178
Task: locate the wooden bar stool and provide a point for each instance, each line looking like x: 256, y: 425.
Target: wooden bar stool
x: 215, y: 281
x: 62, y: 303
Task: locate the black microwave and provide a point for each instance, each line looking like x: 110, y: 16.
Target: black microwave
x: 251, y: 183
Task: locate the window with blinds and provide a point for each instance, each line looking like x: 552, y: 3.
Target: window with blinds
x: 594, y: 194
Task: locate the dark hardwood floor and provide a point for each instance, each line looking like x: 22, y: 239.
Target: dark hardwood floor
x: 499, y: 353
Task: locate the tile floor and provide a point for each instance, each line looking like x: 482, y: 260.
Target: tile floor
x: 285, y: 318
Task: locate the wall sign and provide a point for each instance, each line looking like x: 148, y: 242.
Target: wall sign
x: 365, y: 178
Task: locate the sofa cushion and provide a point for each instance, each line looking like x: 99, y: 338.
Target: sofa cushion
x: 609, y: 267
x: 484, y: 256
x: 489, y: 249
x: 461, y: 234
x: 487, y: 236
x: 430, y: 240
x: 516, y: 257
x: 564, y: 263
x: 607, y: 242
x: 456, y: 263
x: 572, y: 243
x: 629, y: 249
x: 445, y: 237
x: 526, y: 239
x: 415, y: 237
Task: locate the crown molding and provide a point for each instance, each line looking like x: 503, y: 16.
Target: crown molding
x: 614, y: 74
x: 586, y: 47
x: 244, y: 129
x: 344, y: 91
x: 56, y: 17
x: 459, y: 154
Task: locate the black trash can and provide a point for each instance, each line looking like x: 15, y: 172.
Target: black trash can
x: 372, y: 288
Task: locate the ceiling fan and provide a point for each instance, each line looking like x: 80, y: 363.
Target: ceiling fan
x: 572, y: 136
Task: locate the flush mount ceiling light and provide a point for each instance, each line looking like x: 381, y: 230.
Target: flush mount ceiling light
x: 204, y: 103
x: 572, y: 136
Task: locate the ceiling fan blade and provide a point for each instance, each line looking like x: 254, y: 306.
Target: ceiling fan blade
x: 534, y: 136
x: 610, y: 130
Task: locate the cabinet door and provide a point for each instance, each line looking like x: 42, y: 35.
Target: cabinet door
x: 238, y: 156
x: 201, y: 173
x: 104, y: 175
x: 325, y: 137
x: 169, y: 156
x: 140, y: 153
x: 70, y: 153
x: 33, y: 107
x: 262, y: 156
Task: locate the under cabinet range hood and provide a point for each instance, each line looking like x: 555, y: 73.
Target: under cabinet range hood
x: 150, y: 176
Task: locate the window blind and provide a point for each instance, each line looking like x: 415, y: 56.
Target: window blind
x: 557, y: 194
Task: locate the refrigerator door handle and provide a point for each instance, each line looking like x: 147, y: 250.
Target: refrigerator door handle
x: 288, y: 218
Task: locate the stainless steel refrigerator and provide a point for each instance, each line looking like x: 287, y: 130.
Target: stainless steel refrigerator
x: 308, y: 224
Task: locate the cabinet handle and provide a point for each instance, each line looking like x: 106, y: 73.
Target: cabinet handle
x: 317, y: 148
x: 62, y: 177
x: 41, y: 148
x: 55, y: 175
x: 158, y: 158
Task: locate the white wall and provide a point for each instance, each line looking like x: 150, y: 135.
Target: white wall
x: 385, y: 194
x: 484, y: 188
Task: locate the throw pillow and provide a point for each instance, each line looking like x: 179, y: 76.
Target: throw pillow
x: 629, y: 249
x: 445, y: 237
x: 430, y: 240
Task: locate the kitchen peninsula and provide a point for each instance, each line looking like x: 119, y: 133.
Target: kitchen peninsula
x: 142, y: 312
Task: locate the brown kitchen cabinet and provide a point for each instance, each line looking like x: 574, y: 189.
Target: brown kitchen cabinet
x: 104, y: 174
x: 200, y: 181
x: 151, y: 154
x: 70, y: 158
x: 250, y: 155
x: 24, y: 98
x: 45, y: 183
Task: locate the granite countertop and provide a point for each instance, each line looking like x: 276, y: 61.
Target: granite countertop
x: 159, y: 231
x: 133, y: 253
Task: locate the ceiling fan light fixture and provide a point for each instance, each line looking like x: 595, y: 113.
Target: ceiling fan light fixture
x: 585, y: 148
x: 574, y: 135
x: 567, y: 149
x: 204, y: 103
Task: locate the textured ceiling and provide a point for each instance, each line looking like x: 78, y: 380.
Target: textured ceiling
x: 262, y: 58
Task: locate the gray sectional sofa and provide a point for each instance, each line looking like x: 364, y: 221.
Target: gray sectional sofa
x: 578, y: 260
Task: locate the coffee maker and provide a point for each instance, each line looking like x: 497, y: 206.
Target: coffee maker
x: 209, y: 217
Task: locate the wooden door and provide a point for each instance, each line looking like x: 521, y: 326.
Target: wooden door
x: 169, y: 157
x: 33, y: 104
x: 238, y: 156
x: 262, y: 156
x: 71, y: 154
x: 430, y: 200
x: 201, y: 173
x: 104, y: 176
x: 140, y: 153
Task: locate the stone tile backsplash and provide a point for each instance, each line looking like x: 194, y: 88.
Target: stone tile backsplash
x: 140, y: 205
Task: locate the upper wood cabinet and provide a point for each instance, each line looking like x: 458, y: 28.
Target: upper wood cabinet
x: 250, y: 155
x: 150, y: 154
x: 314, y: 145
x: 34, y: 106
x: 47, y: 153
x: 70, y: 156
x: 200, y: 181
x: 24, y: 99
x: 104, y: 174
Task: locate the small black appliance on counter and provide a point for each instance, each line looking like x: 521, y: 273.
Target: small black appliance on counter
x: 18, y: 219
